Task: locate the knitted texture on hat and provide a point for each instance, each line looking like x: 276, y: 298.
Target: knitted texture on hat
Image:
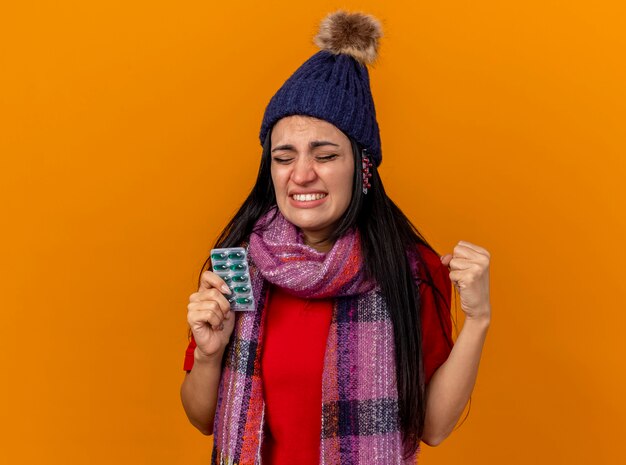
x: 334, y: 83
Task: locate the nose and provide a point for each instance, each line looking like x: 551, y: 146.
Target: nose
x: 303, y: 171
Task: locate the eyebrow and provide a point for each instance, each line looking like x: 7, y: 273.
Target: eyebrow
x: 313, y: 144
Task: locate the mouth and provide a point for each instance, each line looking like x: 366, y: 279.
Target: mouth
x: 308, y: 197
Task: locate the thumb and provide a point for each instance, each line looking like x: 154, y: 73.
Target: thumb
x: 445, y: 259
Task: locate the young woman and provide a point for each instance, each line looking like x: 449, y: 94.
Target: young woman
x: 348, y: 357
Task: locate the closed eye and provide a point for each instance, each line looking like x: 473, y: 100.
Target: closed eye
x: 282, y: 160
x: 328, y: 157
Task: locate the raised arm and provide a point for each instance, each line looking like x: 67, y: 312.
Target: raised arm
x: 452, y: 384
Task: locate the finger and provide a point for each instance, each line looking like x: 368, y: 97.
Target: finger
x: 455, y: 277
x: 474, y: 247
x: 221, y: 301
x: 211, y: 317
x: 445, y: 259
x: 209, y: 305
x: 210, y: 295
x: 462, y: 251
x: 461, y: 264
x: 210, y: 279
x: 220, y: 304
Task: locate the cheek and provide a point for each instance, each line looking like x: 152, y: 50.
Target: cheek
x: 277, y: 181
x: 342, y: 183
x: 347, y: 193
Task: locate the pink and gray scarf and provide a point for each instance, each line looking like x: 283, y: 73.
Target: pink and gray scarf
x: 359, y: 411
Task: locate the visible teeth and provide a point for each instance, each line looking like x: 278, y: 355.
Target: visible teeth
x: 308, y: 197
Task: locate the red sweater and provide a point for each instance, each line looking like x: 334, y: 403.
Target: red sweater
x: 293, y: 357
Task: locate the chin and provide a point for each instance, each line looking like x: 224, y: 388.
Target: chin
x: 306, y: 220
x: 308, y: 225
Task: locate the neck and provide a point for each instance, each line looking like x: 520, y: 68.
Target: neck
x: 317, y: 241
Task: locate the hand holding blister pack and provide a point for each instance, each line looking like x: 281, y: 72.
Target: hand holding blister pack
x: 231, y: 264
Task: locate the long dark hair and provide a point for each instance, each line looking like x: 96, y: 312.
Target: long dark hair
x: 387, y: 236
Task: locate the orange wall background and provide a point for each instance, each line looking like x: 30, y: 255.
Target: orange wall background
x: 128, y: 136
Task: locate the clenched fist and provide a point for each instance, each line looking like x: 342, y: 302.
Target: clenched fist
x: 209, y: 315
x: 469, y: 271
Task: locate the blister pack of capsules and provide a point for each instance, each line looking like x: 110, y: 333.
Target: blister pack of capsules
x: 231, y: 264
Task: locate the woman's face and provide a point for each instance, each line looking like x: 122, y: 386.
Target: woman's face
x: 312, y: 170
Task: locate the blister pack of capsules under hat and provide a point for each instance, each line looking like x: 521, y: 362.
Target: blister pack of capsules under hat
x: 231, y: 264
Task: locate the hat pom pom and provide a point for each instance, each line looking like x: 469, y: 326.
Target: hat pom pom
x: 354, y: 34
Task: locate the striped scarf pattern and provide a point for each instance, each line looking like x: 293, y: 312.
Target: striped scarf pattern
x: 359, y: 411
